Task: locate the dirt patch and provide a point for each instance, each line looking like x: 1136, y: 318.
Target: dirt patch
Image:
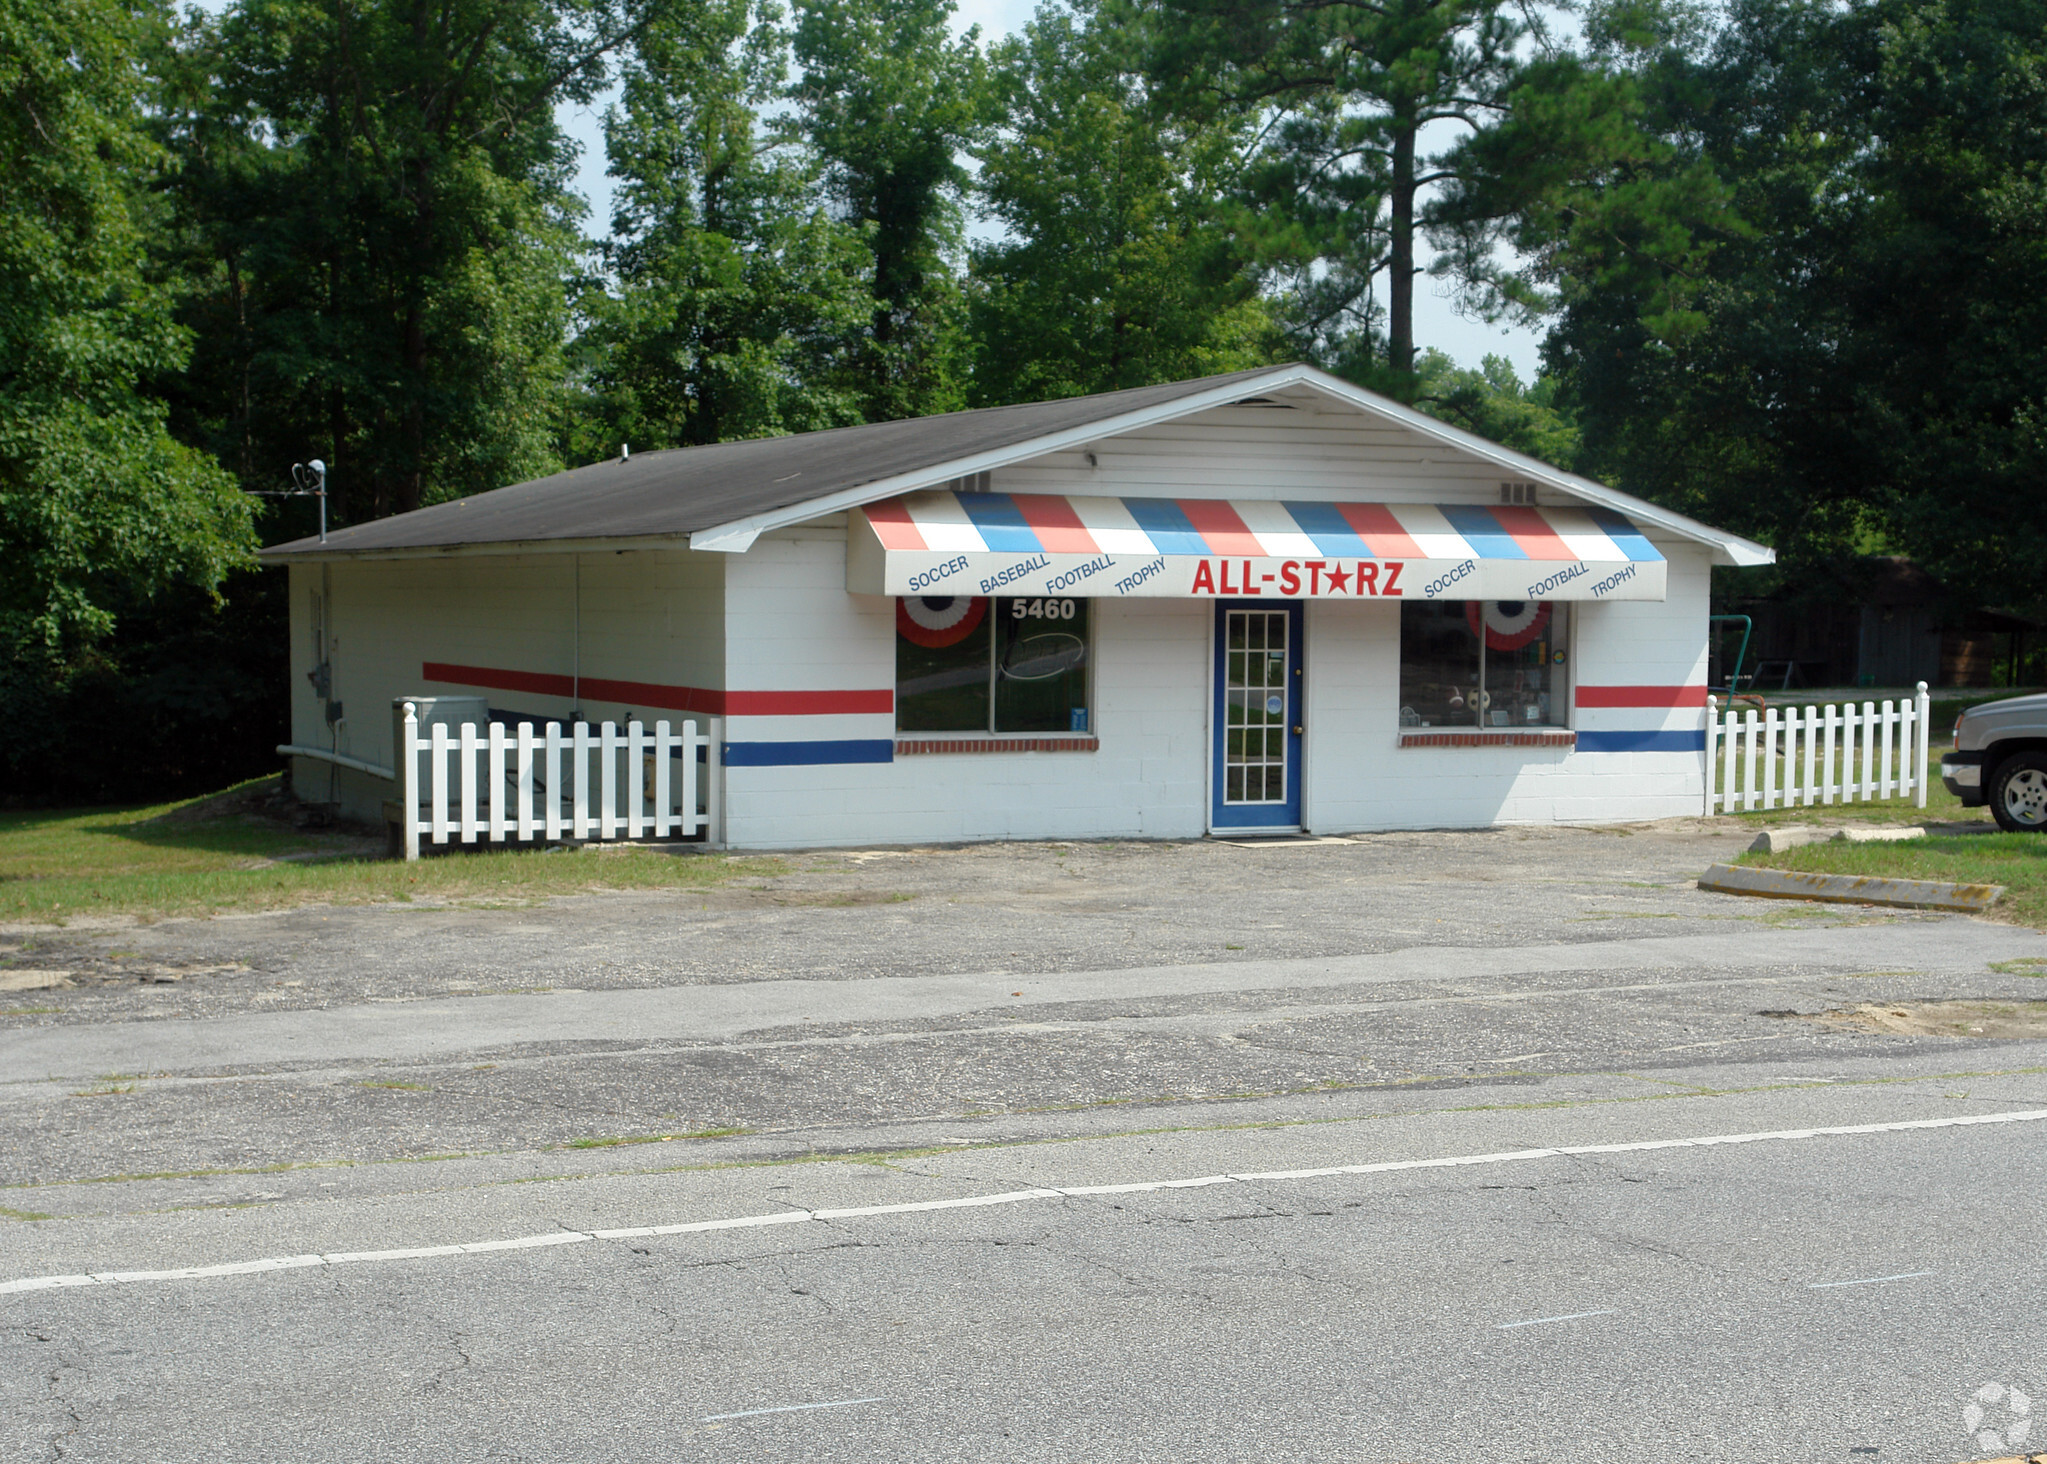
x: 86, y: 967
x: 33, y: 980
x: 838, y: 899
x: 264, y: 799
x: 1933, y: 1018
x: 269, y: 804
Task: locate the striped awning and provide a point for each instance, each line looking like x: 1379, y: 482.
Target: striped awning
x: 945, y: 543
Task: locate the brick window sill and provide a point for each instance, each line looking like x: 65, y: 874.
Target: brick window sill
x: 1487, y: 737
x: 916, y: 746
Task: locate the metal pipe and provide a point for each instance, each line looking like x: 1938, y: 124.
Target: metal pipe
x: 338, y: 759
x: 1748, y: 626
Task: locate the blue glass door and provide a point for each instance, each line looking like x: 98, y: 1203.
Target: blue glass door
x: 1258, y: 716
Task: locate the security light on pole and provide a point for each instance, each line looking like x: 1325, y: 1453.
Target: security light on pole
x: 309, y: 480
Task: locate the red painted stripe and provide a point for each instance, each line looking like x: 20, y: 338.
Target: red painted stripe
x: 671, y: 698
x: 1641, y: 696
x: 809, y: 703
x: 1055, y: 523
x: 1220, y: 527
x: 646, y: 694
x: 544, y: 683
x: 537, y: 682
x: 1532, y: 532
x: 893, y: 525
x: 1381, y: 531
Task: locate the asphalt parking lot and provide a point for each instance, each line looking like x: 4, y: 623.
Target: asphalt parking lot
x: 921, y: 1026
x: 1503, y: 957
x: 891, y: 912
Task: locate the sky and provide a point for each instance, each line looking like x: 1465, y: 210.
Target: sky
x: 1436, y: 321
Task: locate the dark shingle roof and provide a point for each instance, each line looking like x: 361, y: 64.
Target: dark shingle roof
x: 684, y: 490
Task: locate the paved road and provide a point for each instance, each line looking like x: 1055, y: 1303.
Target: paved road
x: 1831, y: 1297
x: 881, y: 1204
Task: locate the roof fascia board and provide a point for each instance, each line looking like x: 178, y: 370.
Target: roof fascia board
x: 737, y: 536
x: 495, y: 549
x: 1735, y: 549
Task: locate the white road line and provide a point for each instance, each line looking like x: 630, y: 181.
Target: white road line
x: 791, y: 1408
x: 1017, y: 1197
x: 1867, y: 1280
x: 1566, y: 1317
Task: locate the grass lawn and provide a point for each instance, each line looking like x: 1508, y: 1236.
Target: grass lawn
x: 1963, y: 845
x: 2016, y: 861
x: 1942, y: 807
x: 228, y: 852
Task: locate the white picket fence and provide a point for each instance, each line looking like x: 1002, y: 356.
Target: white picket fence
x: 549, y: 782
x: 1803, y: 756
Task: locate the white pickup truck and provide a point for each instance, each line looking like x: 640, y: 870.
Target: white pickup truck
x: 2000, y: 758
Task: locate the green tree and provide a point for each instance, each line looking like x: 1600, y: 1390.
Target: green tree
x: 1945, y: 277
x: 1579, y: 168
x: 890, y: 102
x: 1858, y: 361
x: 1340, y: 186
x: 378, y: 198
x: 1492, y: 402
x: 99, y: 505
x: 1731, y: 410
x: 739, y: 302
x: 1119, y: 266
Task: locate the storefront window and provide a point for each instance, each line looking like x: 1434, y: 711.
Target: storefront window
x: 942, y: 681
x: 1524, y: 662
x: 1483, y: 663
x: 1002, y: 665
x: 1438, y: 666
x: 1041, y: 648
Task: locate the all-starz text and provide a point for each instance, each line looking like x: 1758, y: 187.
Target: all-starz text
x: 1296, y: 578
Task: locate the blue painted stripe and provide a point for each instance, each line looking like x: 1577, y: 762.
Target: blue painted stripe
x: 1331, y: 532
x: 809, y: 754
x: 1625, y: 535
x: 1001, y: 522
x: 1678, y: 741
x: 1483, y: 532
x: 1171, y: 531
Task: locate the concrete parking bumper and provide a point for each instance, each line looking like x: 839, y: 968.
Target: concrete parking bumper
x: 1851, y: 889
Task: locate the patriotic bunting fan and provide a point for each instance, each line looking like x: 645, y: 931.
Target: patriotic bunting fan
x: 938, y: 620
x: 1509, y: 624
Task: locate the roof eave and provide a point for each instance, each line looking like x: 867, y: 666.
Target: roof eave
x: 317, y: 553
x: 1728, y: 549
x: 737, y: 536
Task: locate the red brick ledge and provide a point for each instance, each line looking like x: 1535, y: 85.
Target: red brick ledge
x: 910, y: 747
x: 1477, y: 738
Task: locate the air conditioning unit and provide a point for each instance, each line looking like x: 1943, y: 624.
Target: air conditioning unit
x: 448, y: 711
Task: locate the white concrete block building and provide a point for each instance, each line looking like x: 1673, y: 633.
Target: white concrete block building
x: 1257, y: 602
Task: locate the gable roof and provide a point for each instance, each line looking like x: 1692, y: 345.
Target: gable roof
x: 724, y: 495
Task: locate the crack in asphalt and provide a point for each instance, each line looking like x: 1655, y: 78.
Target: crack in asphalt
x: 56, y: 1386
